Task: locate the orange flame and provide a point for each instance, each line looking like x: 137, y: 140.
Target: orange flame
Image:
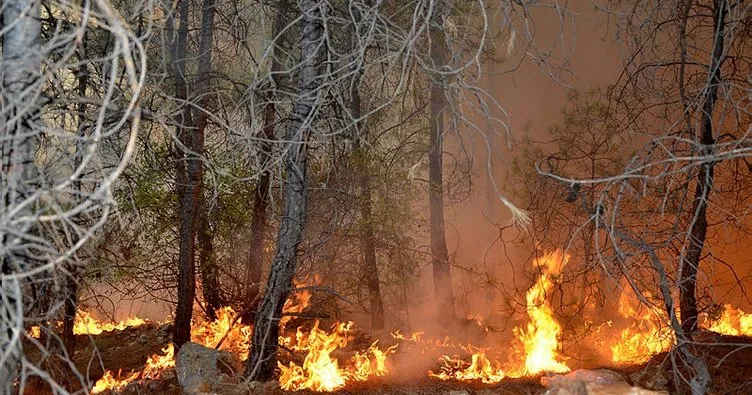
x: 646, y: 336
x: 480, y: 368
x: 85, y: 324
x: 321, y: 370
x: 109, y: 383
x: 234, y: 338
x: 155, y: 366
x: 541, y: 339
x: 733, y: 322
x: 297, y: 302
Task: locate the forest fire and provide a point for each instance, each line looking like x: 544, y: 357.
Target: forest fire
x: 541, y: 338
x: 646, y: 335
x: 85, y: 324
x: 329, y: 361
x: 108, y: 382
x: 224, y: 333
x: 320, y: 370
x: 155, y: 366
x: 480, y: 368
x: 732, y: 322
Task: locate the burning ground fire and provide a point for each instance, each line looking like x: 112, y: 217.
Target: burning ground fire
x: 646, y: 335
x: 324, y: 367
x: 320, y: 370
x: 540, y: 339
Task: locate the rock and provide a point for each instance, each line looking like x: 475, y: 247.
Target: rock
x: 591, y: 382
x: 143, y: 339
x: 200, y: 369
x: 599, y: 376
x: 568, y: 387
x: 653, y: 376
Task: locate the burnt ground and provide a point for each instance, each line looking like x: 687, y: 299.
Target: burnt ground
x: 729, y: 359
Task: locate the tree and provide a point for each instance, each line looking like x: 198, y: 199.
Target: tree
x: 21, y: 60
x: 261, y: 199
x: 367, y: 231
x: 442, y: 278
x: 57, y: 192
x: 188, y: 169
x: 698, y: 227
x: 209, y: 272
x: 262, y: 361
x: 651, y: 216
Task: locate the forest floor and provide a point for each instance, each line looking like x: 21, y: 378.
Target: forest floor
x: 729, y: 359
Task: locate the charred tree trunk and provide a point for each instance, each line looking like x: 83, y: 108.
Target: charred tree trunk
x: 699, y: 221
x: 367, y: 237
x: 209, y: 272
x: 188, y: 171
x: 442, y: 280
x: 73, y: 275
x: 367, y: 234
x: 207, y: 265
x: 264, y: 343
x: 260, y: 222
x: 368, y: 242
x: 19, y: 112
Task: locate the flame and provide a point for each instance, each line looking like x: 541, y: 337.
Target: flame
x: 109, y: 383
x: 232, y: 334
x: 35, y: 332
x: 157, y: 364
x: 416, y: 336
x: 321, y: 371
x: 85, y: 324
x: 297, y: 302
x: 371, y: 362
x: 234, y: 338
x: 541, y: 339
x: 733, y: 322
x: 646, y: 336
x: 480, y: 368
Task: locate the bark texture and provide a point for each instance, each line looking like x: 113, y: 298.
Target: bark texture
x: 699, y: 223
x: 208, y: 269
x: 442, y: 280
x: 74, y: 274
x: 21, y: 61
x: 188, y: 177
x: 367, y: 234
x: 259, y: 221
x: 264, y: 342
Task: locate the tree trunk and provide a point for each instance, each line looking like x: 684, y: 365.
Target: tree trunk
x: 21, y: 62
x: 262, y: 361
x: 73, y: 275
x: 442, y: 280
x: 188, y: 169
x: 699, y: 224
x: 260, y: 222
x: 367, y: 238
x: 368, y: 245
x: 207, y: 265
x: 209, y: 272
